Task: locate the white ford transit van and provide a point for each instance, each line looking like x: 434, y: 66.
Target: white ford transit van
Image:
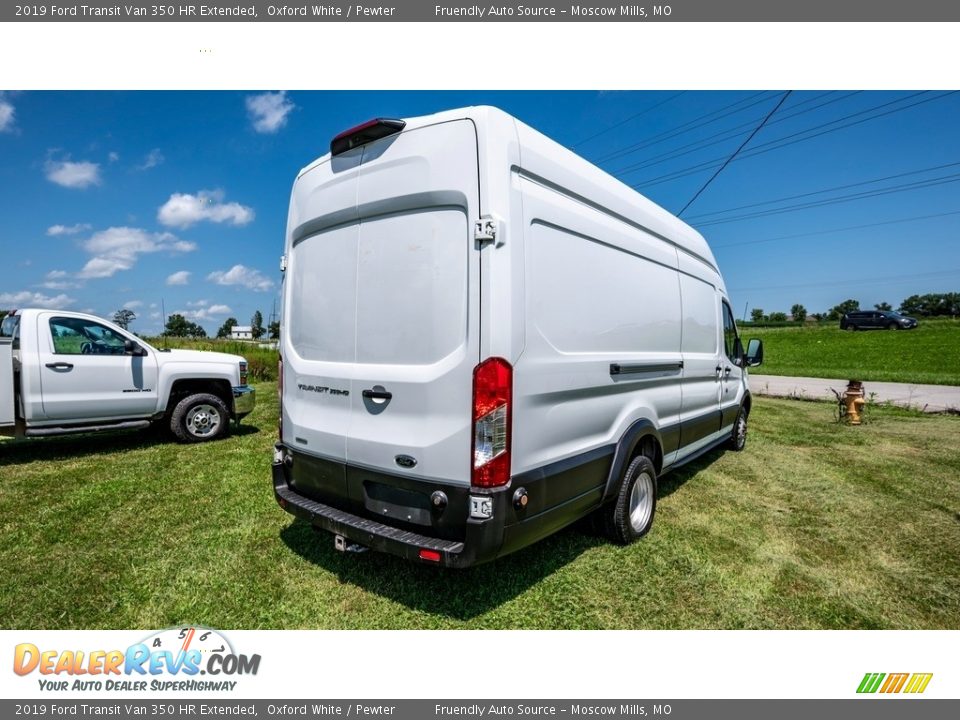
x: 485, y: 338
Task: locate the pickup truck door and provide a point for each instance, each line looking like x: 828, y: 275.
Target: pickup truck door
x: 86, y: 375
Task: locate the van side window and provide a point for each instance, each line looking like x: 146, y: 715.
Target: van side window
x: 729, y: 333
x: 75, y: 336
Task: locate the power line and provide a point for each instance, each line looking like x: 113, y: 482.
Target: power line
x: 626, y: 120
x: 920, y: 184
x: 851, y: 281
x: 686, y: 127
x: 736, y: 152
x: 820, y: 192
x: 766, y: 147
x: 840, y: 229
x: 725, y: 135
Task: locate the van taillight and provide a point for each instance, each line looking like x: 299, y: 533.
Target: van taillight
x: 280, y: 395
x: 365, y: 133
x: 492, y: 415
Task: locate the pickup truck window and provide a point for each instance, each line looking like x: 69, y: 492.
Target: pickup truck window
x: 76, y: 336
x: 10, y: 327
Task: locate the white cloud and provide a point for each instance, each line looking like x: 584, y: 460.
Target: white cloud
x: 73, y: 174
x: 118, y: 248
x: 7, y: 114
x: 242, y: 275
x: 132, y: 304
x: 152, y: 159
x: 59, y: 285
x: 268, y: 111
x: 27, y: 299
x: 183, y: 210
x: 55, y: 274
x: 55, y: 230
x: 181, y: 277
x: 113, y: 157
x: 201, y: 314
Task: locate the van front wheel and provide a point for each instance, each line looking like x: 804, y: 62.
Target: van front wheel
x: 630, y: 517
x: 738, y: 436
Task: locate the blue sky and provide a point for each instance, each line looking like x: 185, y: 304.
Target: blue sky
x: 133, y: 199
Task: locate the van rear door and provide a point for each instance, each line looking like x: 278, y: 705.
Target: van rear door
x: 417, y: 305
x: 383, y: 311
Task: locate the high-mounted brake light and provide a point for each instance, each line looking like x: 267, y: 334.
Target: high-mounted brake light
x: 492, y: 418
x: 365, y: 133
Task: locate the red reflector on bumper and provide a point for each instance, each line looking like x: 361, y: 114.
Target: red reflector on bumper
x: 430, y: 555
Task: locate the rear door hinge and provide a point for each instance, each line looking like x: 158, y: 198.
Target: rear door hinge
x: 283, y: 263
x: 489, y: 229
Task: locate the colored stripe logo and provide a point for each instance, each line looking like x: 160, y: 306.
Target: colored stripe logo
x: 914, y: 683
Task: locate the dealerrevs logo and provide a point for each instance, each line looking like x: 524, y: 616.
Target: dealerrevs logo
x: 892, y: 683
x: 178, y: 659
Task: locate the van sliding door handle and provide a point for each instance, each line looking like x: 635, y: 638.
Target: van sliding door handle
x: 60, y: 366
x: 377, y: 394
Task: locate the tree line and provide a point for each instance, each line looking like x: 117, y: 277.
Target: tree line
x: 929, y: 305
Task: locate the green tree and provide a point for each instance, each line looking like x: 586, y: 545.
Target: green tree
x: 883, y: 306
x: 178, y: 326
x: 256, y: 325
x: 799, y: 312
x: 756, y: 315
x: 274, y: 330
x: 227, y: 328
x: 777, y: 317
x: 837, y: 311
x: 124, y: 317
x: 932, y: 304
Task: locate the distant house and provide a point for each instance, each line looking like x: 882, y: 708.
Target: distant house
x: 241, y: 332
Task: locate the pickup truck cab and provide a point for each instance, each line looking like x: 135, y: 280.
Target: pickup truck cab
x: 65, y: 372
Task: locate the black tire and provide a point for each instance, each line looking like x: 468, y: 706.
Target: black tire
x: 200, y: 418
x: 617, y: 522
x: 738, y: 436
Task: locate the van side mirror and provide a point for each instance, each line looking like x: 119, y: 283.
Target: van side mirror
x: 754, y: 353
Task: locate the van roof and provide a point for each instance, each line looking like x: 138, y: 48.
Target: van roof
x: 545, y: 160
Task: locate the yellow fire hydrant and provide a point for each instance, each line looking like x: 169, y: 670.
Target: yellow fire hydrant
x: 853, y: 402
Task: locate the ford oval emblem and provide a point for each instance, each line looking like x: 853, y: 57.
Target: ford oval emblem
x: 405, y: 461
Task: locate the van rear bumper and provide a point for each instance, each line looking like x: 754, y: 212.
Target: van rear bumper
x: 482, y: 541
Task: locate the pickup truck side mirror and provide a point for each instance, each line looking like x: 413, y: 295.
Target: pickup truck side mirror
x: 132, y: 348
x: 754, y: 355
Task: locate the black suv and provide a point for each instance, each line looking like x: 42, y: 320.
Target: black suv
x: 876, y: 320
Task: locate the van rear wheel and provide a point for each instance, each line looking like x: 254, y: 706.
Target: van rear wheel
x: 630, y: 517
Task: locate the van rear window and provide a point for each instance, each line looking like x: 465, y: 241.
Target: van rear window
x: 389, y: 290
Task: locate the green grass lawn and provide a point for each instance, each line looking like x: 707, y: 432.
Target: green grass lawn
x: 930, y: 354
x: 815, y: 525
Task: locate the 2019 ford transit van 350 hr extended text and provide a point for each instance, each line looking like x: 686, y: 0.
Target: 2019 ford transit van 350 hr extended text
x: 485, y: 338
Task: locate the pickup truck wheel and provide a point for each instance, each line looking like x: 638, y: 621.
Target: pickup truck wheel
x: 199, y: 418
x: 631, y: 515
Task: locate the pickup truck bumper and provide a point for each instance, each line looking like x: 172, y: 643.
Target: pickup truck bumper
x: 244, y: 400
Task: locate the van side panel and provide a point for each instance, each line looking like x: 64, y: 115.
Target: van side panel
x: 700, y: 416
x: 603, y: 332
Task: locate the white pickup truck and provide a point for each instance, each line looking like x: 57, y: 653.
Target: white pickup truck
x: 66, y: 372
